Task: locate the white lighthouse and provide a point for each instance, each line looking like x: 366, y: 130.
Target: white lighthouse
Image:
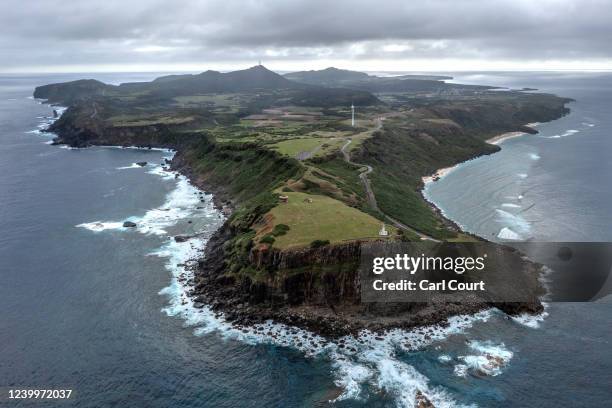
x: 352, y: 115
x: 383, y: 231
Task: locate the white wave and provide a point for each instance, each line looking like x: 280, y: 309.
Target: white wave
x: 404, y: 382
x: 508, y: 234
x: 529, y: 320
x: 162, y: 172
x: 490, y: 360
x: 568, y: 132
x: 460, y: 370
x: 510, y: 205
x: 534, y: 321
x: 512, y: 223
x: 350, y: 376
x: 132, y: 166
x: 180, y: 203
x: 534, y: 156
x: 516, y: 221
x: 444, y: 358
x: 46, y: 121
x: 98, y: 226
x: 588, y: 124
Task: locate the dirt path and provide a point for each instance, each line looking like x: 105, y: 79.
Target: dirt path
x: 363, y: 176
x: 95, y: 111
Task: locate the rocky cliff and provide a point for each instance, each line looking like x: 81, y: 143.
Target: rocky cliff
x: 320, y: 289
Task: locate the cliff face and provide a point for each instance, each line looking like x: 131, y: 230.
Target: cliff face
x: 70, y: 92
x: 317, y: 276
x: 81, y: 126
x: 320, y: 288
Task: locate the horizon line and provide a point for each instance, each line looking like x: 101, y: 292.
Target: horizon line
x: 239, y: 68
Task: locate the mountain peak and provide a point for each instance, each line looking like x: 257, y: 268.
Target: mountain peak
x: 258, y: 68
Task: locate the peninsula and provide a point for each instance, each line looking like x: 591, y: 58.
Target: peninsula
x: 310, y: 167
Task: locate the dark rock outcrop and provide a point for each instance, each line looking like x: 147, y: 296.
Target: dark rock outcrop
x: 318, y: 289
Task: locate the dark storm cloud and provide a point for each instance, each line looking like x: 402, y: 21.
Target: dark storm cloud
x: 39, y: 33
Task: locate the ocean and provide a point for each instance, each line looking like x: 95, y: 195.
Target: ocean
x: 101, y: 309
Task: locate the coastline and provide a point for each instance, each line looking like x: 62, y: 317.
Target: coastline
x: 495, y: 140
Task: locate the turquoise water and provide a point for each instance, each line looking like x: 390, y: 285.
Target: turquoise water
x: 98, y: 308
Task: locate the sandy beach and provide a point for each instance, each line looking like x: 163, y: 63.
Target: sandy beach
x: 495, y: 140
x: 438, y: 174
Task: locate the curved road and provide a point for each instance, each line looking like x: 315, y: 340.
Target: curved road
x: 363, y: 175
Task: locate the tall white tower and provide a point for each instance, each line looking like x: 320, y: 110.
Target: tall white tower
x: 352, y: 115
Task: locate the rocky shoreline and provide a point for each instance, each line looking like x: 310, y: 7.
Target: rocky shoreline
x: 248, y: 303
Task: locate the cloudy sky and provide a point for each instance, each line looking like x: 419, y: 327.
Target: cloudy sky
x: 375, y: 35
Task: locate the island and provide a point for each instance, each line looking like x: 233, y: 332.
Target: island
x: 308, y: 167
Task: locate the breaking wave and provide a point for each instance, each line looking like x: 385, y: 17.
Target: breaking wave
x: 565, y: 134
x: 514, y: 227
x: 508, y: 234
x: 510, y: 205
x: 99, y: 226
x: 490, y: 359
x: 132, y: 166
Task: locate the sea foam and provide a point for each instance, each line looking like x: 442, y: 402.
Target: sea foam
x: 568, y: 132
x: 514, y: 227
x: 99, y: 226
x: 132, y: 166
x: 490, y: 359
x: 510, y: 205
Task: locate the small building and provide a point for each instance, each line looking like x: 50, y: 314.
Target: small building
x: 283, y: 199
x: 383, y: 231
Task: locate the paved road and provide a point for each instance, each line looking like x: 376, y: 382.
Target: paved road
x: 363, y: 175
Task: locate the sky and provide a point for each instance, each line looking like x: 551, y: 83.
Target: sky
x: 289, y: 35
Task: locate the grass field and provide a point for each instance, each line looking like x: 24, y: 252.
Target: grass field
x: 324, y: 218
x: 314, y: 145
x: 134, y: 120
